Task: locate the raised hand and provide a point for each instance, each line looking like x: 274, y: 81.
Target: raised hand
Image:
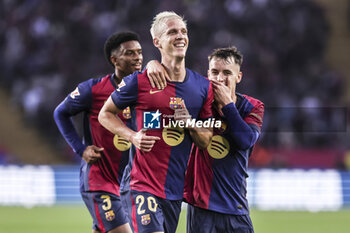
x: 223, y: 93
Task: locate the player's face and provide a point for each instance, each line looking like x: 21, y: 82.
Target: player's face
x: 226, y: 72
x: 129, y: 57
x: 174, y: 39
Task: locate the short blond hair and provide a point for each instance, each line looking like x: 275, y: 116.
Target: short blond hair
x: 160, y: 19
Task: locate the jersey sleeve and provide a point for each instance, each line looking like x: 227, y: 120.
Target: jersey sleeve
x: 77, y: 101
x: 206, y: 110
x: 126, y: 94
x: 81, y: 98
x: 243, y: 135
x: 255, y: 117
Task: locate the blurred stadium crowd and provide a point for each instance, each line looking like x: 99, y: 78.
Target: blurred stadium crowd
x: 48, y: 47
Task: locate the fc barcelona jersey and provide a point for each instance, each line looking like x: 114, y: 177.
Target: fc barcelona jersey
x: 106, y: 173
x: 162, y: 170
x: 216, y: 176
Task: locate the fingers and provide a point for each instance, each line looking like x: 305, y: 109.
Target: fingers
x: 145, y: 138
x: 157, y: 79
x: 163, y: 79
x: 96, y: 148
x: 92, y: 154
x: 151, y: 78
x: 145, y: 142
x: 147, y: 145
x: 216, y: 84
x: 183, y: 105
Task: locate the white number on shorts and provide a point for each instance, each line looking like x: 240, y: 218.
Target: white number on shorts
x: 151, y: 207
x: 107, y: 201
x: 151, y: 203
x: 140, y: 200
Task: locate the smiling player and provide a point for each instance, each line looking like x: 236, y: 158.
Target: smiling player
x: 155, y: 175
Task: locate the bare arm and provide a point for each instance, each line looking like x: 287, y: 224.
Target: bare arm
x: 108, y: 118
x: 201, y: 136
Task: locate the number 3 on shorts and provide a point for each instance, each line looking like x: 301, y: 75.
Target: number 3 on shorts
x: 107, y: 202
x: 151, y: 204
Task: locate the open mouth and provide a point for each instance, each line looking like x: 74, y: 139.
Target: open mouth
x: 137, y: 65
x: 179, y: 45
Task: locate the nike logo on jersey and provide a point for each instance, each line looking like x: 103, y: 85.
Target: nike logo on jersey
x: 154, y: 92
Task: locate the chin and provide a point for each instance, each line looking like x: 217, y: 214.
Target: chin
x: 180, y: 55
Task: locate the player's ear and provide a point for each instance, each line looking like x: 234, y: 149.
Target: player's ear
x: 239, y: 77
x: 156, y: 42
x: 114, y: 60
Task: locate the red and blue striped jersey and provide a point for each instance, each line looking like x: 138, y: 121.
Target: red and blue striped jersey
x: 88, y: 98
x: 161, y: 171
x: 216, y: 176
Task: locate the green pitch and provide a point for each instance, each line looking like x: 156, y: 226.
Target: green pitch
x: 76, y: 219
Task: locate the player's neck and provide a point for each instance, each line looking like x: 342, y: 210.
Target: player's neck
x: 118, y: 76
x: 175, y: 68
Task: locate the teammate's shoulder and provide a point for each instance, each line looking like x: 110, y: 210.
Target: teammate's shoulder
x: 135, y: 75
x: 255, y: 102
x: 197, y: 76
x: 93, y: 81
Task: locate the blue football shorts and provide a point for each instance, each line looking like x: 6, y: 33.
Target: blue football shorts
x: 207, y: 221
x: 149, y: 213
x: 106, y: 210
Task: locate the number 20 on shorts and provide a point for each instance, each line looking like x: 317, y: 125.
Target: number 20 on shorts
x: 151, y: 204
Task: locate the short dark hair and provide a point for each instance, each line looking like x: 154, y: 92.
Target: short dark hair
x: 113, y: 42
x: 225, y: 53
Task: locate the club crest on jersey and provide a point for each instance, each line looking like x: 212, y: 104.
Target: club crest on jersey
x: 110, y: 215
x: 127, y: 113
x: 218, y: 147
x: 145, y: 219
x: 175, y: 103
x: 75, y: 93
x: 222, y: 128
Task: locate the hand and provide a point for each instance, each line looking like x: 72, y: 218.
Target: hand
x: 92, y: 153
x: 143, y: 142
x: 182, y: 114
x: 223, y: 93
x: 157, y: 74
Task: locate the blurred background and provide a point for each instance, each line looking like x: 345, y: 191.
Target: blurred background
x: 295, y: 61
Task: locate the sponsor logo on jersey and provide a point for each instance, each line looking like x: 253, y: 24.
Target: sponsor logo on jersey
x: 110, y: 215
x: 127, y: 113
x: 154, y: 92
x: 218, y: 147
x: 151, y: 120
x: 175, y: 102
x: 173, y: 136
x: 145, y: 219
x: 121, y: 143
x: 75, y: 93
